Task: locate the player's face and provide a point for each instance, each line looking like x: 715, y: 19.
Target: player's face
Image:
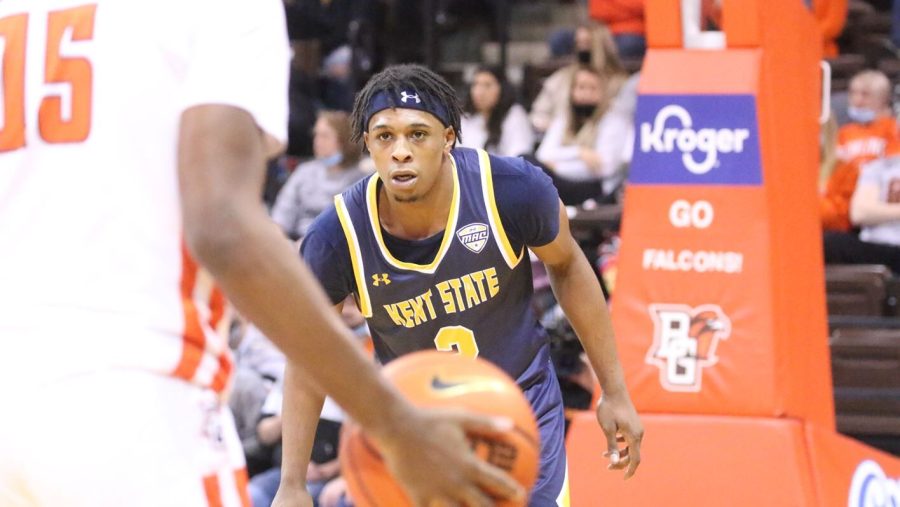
x: 485, y: 91
x: 325, y: 139
x: 587, y: 89
x: 408, y: 147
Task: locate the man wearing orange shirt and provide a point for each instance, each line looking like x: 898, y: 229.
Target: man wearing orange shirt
x: 864, y: 139
x: 625, y: 19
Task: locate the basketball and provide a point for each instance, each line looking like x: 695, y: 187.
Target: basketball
x: 442, y: 379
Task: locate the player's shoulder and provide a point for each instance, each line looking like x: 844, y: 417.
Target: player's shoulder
x: 325, y: 228
x: 520, y: 185
x: 518, y: 172
x: 324, y: 241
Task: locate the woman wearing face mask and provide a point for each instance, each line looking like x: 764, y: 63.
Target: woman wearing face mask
x: 313, y: 185
x: 492, y: 120
x: 593, y: 47
x: 584, y: 144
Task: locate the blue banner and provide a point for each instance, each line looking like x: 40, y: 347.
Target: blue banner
x: 696, y: 140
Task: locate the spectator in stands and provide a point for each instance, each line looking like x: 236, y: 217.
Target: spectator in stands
x: 257, y: 353
x: 337, y: 84
x: 625, y: 19
x: 312, y: 186
x: 594, y: 47
x: 831, y: 15
x: 492, y: 120
x: 827, y: 151
x: 334, y: 494
x: 584, y: 144
x: 895, y: 24
x: 876, y: 209
x: 246, y: 402
x: 323, y: 466
x: 268, y: 432
x: 327, y: 23
x: 871, y: 128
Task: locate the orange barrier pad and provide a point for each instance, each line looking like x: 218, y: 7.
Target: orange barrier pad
x: 692, y: 460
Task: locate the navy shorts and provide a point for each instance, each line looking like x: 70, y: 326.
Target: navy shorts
x: 546, y: 400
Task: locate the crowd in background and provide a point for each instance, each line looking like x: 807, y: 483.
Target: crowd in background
x: 579, y: 129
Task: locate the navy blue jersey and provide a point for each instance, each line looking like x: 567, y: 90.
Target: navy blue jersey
x: 467, y: 289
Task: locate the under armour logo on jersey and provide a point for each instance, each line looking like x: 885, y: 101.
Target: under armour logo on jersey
x: 473, y: 236
x: 379, y: 279
x: 405, y: 97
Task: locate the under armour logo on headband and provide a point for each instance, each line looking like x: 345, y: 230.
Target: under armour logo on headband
x: 404, y: 97
x: 414, y: 99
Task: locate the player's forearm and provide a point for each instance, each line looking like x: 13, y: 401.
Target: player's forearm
x: 579, y: 294
x: 221, y: 166
x: 300, y: 416
x: 267, y: 283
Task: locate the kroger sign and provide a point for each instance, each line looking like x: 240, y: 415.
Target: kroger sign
x: 871, y: 487
x: 696, y: 139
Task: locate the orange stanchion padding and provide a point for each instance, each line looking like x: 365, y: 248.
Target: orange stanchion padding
x: 720, y: 293
x: 849, y: 473
x: 730, y: 370
x: 696, y: 461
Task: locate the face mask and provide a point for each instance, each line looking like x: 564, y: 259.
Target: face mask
x: 583, y: 111
x: 332, y: 160
x: 584, y: 56
x: 860, y: 114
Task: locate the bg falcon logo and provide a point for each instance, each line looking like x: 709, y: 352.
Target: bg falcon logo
x: 685, y: 340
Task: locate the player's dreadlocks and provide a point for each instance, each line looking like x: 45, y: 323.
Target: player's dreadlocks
x: 397, y: 79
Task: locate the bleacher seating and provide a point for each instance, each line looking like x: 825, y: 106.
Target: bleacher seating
x: 866, y: 375
x: 864, y: 337
x: 533, y: 78
x: 866, y: 40
x: 859, y: 290
x: 843, y: 67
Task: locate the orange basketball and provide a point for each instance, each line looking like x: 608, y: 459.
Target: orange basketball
x: 445, y: 379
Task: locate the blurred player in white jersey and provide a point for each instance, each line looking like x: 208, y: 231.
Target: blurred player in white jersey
x: 132, y: 133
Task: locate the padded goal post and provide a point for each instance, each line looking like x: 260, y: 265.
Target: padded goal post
x: 719, y: 308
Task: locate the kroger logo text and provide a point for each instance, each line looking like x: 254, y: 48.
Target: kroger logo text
x: 870, y: 487
x: 710, y: 142
x: 696, y: 140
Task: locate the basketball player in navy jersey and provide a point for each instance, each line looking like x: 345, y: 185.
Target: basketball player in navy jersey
x: 434, y: 249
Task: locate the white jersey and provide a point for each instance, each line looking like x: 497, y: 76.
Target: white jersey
x: 93, y: 272
x: 884, y: 173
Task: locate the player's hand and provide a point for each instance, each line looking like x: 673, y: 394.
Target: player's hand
x: 620, y: 424
x: 431, y: 457
x: 288, y: 496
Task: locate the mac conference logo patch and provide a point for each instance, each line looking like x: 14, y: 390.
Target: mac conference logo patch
x: 473, y: 236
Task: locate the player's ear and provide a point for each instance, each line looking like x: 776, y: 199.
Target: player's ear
x: 365, y: 138
x: 449, y: 138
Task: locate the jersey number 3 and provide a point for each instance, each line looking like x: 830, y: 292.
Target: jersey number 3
x: 457, y: 338
x: 64, y: 115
